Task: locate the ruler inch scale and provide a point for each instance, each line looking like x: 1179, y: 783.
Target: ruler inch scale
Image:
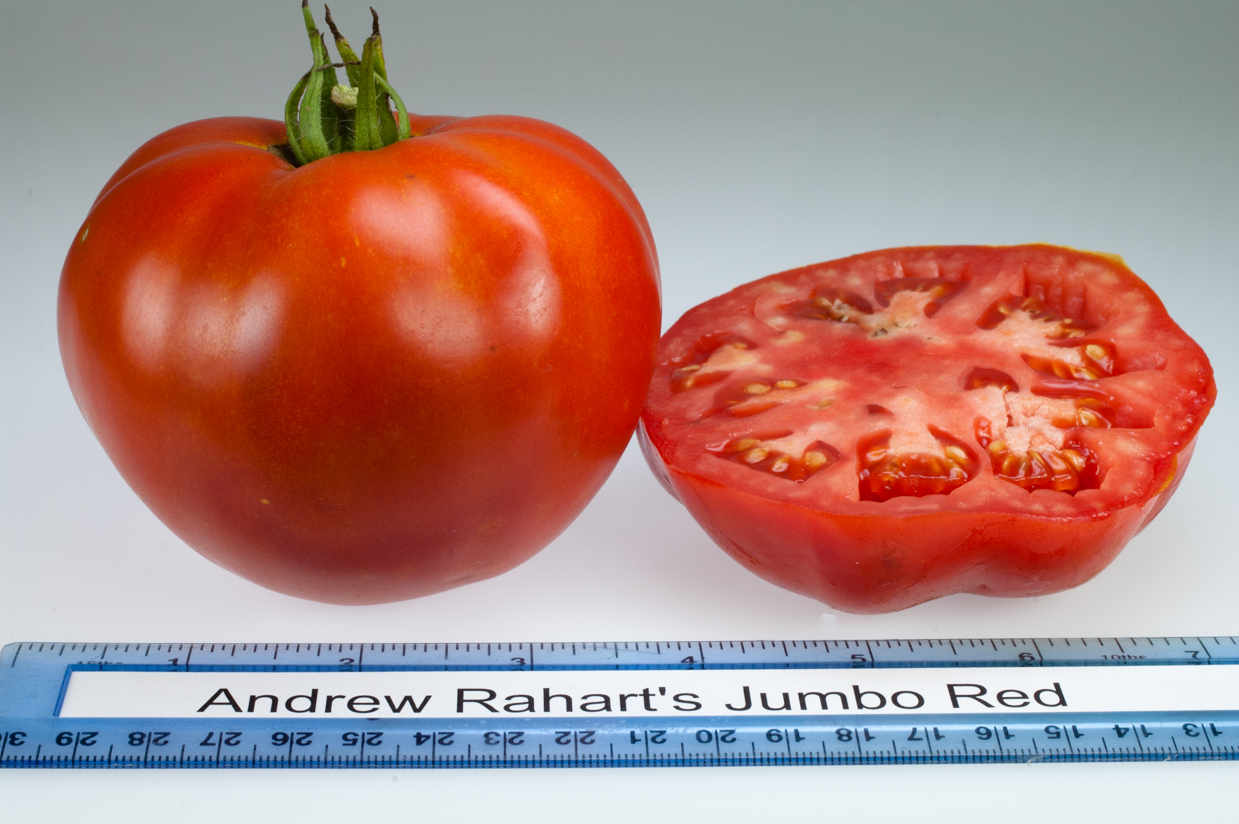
x: 619, y: 704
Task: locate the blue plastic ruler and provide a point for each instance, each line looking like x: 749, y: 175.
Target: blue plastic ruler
x: 667, y: 704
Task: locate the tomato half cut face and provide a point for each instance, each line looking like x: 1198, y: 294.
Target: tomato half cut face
x: 889, y: 428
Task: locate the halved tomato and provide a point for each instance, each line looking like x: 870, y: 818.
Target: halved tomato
x: 889, y: 428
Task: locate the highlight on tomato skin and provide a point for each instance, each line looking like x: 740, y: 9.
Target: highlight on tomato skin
x: 906, y: 424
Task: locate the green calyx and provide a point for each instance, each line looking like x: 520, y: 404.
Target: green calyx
x: 325, y: 117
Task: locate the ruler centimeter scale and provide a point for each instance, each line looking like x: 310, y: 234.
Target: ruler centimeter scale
x: 730, y: 703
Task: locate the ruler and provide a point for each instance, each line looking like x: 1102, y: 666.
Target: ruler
x: 638, y: 704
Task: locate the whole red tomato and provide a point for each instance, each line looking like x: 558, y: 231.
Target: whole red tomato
x: 371, y: 376
x: 889, y: 428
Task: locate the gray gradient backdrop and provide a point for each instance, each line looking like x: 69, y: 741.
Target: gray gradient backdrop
x: 759, y: 137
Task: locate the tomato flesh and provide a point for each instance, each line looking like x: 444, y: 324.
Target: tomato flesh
x: 951, y: 419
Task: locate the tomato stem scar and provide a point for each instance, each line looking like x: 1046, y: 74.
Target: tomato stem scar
x: 324, y: 117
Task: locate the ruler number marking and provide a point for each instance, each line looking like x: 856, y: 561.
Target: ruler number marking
x: 1005, y: 738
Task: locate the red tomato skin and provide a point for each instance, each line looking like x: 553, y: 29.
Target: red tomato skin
x: 374, y: 377
x: 866, y: 557
x: 863, y: 565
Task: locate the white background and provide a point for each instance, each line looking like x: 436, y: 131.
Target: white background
x: 758, y: 137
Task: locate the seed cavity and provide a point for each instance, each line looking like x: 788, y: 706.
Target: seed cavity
x: 1093, y: 361
x: 727, y: 352
x: 1090, y: 407
x: 829, y: 303
x: 1068, y: 469
x: 1057, y: 326
x: 741, y: 400
x: 1082, y: 360
x: 982, y: 378
x: 940, y: 290
x: 884, y: 474
x: 758, y: 454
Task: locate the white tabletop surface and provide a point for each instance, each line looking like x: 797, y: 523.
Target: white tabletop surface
x: 759, y: 137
